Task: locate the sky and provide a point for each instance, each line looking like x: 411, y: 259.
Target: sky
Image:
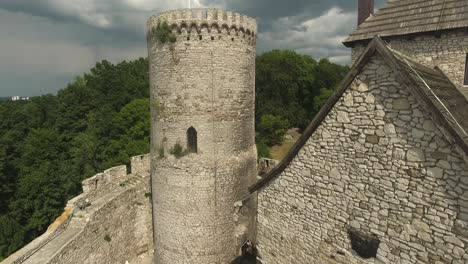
x: 45, y: 44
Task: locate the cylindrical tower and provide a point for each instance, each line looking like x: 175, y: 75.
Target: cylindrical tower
x: 203, y: 154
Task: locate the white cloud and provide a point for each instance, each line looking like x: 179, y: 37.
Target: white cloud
x: 319, y: 37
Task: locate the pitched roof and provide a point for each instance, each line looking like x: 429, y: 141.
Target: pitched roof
x: 433, y: 90
x: 402, y: 17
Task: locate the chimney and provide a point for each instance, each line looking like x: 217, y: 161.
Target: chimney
x: 365, y: 9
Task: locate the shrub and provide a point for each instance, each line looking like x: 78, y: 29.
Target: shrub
x: 107, y: 238
x: 161, y: 152
x: 262, y: 150
x: 178, y: 151
x: 272, y: 128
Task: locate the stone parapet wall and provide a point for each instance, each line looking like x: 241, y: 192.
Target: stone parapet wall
x: 110, y: 222
x: 379, y: 166
x: 119, y: 231
x: 107, y: 179
x: 140, y: 164
x: 447, y: 51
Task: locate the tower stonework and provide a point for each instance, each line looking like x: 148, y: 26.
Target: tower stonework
x: 203, y: 154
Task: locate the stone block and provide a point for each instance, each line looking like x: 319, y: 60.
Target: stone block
x: 401, y: 104
x: 415, y: 155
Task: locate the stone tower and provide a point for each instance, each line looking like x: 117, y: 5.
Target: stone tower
x: 203, y: 150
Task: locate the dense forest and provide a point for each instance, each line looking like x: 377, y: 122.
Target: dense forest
x: 49, y: 144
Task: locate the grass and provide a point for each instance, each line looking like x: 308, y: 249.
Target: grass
x: 278, y: 152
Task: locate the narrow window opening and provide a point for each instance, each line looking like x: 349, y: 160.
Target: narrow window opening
x: 192, y: 140
x: 232, y: 39
x: 200, y: 37
x: 188, y: 38
x: 364, y: 245
x: 466, y: 70
x: 212, y: 38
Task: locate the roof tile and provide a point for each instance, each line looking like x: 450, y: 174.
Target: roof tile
x: 402, y: 17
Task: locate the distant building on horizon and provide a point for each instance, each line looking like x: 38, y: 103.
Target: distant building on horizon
x: 19, y: 98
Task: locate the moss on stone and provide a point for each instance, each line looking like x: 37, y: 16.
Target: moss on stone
x: 163, y: 33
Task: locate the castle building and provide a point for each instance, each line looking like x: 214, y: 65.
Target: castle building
x: 380, y: 175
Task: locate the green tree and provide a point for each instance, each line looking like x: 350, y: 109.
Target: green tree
x: 321, y: 99
x: 272, y: 128
x: 11, y: 236
x: 130, y: 132
x: 284, y: 81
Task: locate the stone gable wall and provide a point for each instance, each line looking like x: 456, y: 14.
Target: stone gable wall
x: 447, y: 51
x: 378, y: 165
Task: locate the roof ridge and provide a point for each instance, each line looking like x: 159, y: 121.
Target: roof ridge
x: 411, y: 17
x: 375, y: 31
x: 414, y: 3
x: 421, y: 13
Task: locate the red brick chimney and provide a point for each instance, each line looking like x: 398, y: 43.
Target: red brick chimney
x: 365, y: 9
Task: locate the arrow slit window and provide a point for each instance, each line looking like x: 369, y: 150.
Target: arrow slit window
x: 192, y: 140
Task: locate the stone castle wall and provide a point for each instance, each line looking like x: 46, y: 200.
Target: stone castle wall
x: 204, y: 81
x: 377, y: 165
x: 447, y: 51
x: 110, y: 222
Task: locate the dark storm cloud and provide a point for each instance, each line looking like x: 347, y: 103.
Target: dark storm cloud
x: 65, y: 38
x: 269, y: 10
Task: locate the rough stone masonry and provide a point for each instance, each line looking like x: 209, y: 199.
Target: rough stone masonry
x: 203, y: 154
x: 378, y: 165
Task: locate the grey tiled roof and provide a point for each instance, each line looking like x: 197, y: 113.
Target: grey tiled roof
x: 402, y: 17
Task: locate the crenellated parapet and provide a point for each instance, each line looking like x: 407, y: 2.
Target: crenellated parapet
x: 203, y: 21
x: 117, y: 175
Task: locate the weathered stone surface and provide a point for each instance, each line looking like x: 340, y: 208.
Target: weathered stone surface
x: 363, y: 87
x: 401, y: 104
x: 428, y: 125
x: 389, y: 129
x: 435, y: 172
x: 415, y: 154
x: 342, y: 117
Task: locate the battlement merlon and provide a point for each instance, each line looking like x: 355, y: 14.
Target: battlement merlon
x: 114, y: 176
x: 205, y: 16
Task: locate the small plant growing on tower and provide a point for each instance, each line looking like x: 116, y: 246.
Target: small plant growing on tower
x: 178, y: 151
x: 107, y: 238
x: 161, y: 152
x: 163, y: 33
